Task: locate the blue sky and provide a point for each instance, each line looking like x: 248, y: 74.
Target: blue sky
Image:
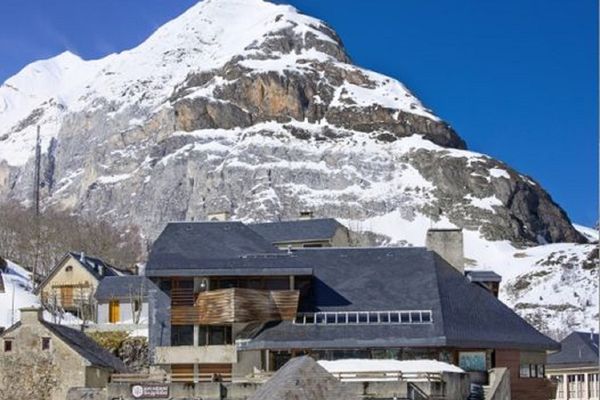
x: 516, y: 78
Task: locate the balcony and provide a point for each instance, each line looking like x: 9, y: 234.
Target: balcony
x: 233, y: 305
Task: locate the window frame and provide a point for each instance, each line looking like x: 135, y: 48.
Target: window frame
x: 46, y: 343
x: 8, y: 345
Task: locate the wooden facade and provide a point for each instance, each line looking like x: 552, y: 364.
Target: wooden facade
x: 225, y: 306
x: 523, y: 388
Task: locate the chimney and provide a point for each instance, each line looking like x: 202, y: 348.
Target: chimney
x: 81, y: 257
x: 306, y: 215
x: 30, y: 315
x: 219, y: 216
x: 448, y: 244
x: 100, y: 270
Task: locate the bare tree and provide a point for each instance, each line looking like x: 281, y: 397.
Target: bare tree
x: 28, y: 375
x: 57, y: 232
x: 136, y: 299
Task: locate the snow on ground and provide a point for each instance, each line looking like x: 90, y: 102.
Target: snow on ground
x: 369, y: 365
x: 17, y: 294
x: 590, y: 233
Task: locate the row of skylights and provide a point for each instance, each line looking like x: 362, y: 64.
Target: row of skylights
x: 364, y: 317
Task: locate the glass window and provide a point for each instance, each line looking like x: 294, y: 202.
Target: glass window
x: 330, y: 319
x: 203, y: 336
x: 373, y: 318
x: 524, y: 371
x: 7, y: 346
x: 341, y: 318
x: 182, y: 335
x: 415, y: 317
x: 282, y: 283
x: 394, y: 318
x: 362, y: 318
x: 46, y: 343
x: 384, y: 317
x: 310, y: 318
x: 319, y: 318
x: 426, y: 317
x: 352, y: 318
x: 404, y: 317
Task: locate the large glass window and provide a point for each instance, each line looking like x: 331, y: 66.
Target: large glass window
x: 182, y: 335
x: 214, y: 335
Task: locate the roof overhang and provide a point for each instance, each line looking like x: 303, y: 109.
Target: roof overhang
x: 166, y: 272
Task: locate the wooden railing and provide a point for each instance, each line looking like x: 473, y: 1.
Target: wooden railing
x: 235, y: 305
x: 171, y: 378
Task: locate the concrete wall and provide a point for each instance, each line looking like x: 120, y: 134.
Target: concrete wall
x: 247, y: 361
x: 499, y: 385
x: 195, y: 355
x: 457, y: 387
x: 70, y: 366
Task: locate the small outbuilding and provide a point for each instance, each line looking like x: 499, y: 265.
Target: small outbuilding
x: 123, y: 300
x: 70, y: 357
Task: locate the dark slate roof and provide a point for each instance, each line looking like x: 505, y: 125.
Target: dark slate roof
x: 483, y: 276
x: 86, y: 347
x: 1, y: 283
x: 297, y: 231
x: 97, y: 267
x: 123, y: 287
x: 302, y: 378
x: 194, y: 245
x: 578, y: 349
x: 387, y: 279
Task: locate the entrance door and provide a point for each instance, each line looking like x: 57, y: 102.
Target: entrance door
x: 66, y: 296
x: 114, y: 311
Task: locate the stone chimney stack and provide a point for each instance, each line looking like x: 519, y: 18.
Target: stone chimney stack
x: 30, y: 315
x: 448, y: 244
x: 219, y: 216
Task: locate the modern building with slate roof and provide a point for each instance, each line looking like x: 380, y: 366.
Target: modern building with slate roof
x: 230, y: 302
x: 78, y: 360
x: 71, y: 284
x: 575, y: 367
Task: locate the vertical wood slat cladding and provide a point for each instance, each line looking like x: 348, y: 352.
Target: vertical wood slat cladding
x: 237, y: 305
x: 522, y: 388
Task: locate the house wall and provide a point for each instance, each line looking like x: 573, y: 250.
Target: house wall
x: 71, y: 368
x: 524, y: 388
x: 77, y: 276
x: 96, y: 377
x: 125, y: 309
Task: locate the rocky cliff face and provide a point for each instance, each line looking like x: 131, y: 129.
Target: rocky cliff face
x: 253, y: 108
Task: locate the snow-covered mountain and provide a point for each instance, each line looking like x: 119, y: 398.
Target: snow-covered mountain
x: 256, y: 109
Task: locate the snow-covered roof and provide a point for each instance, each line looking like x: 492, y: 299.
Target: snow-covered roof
x: 369, y: 365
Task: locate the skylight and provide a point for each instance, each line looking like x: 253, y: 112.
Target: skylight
x: 396, y: 317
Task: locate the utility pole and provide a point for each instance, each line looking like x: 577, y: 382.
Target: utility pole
x: 36, y: 176
x: 36, y: 204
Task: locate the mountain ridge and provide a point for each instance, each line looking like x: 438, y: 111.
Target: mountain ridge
x: 196, y: 120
